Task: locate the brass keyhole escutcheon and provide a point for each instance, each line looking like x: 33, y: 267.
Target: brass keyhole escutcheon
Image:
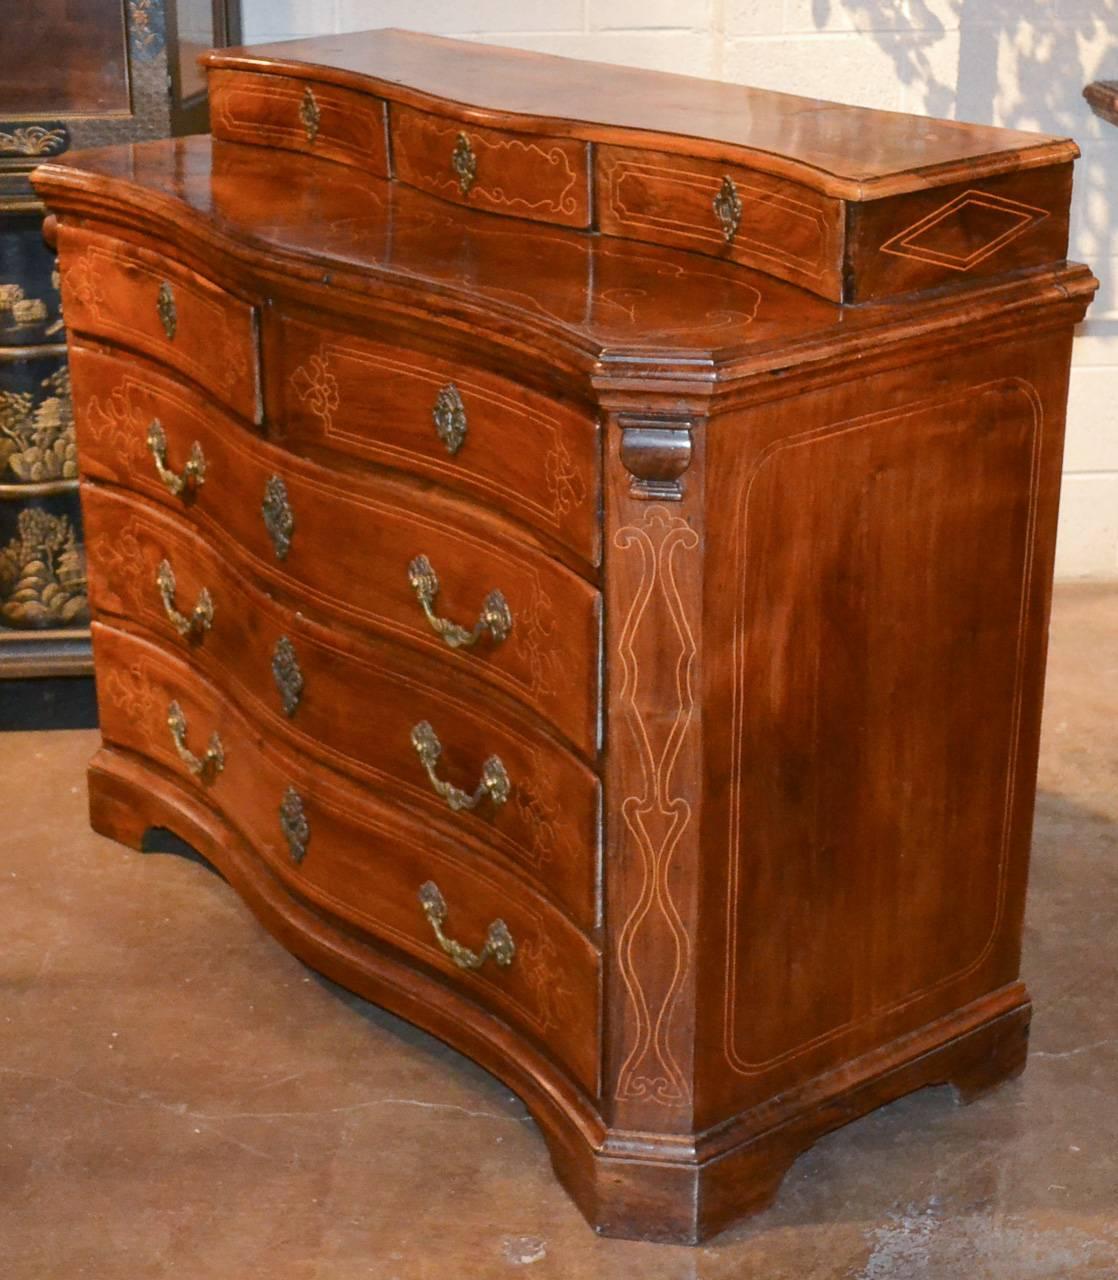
x: 464, y: 163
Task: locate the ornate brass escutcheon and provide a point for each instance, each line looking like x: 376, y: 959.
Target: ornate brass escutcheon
x: 494, y: 779
x: 205, y: 766
x: 449, y: 415
x: 165, y: 305
x: 495, y: 617
x: 278, y: 518
x: 464, y: 163
x: 294, y: 825
x: 200, y: 618
x: 727, y: 207
x: 287, y: 675
x: 498, y: 940
x: 193, y: 473
x: 308, y: 113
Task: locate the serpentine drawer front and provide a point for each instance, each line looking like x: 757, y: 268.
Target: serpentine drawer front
x: 469, y: 429
x: 563, y: 616
x: 353, y: 858
x: 301, y: 115
x: 119, y: 291
x: 315, y: 688
x: 283, y: 517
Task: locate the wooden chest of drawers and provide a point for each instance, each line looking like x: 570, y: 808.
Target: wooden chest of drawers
x: 549, y: 555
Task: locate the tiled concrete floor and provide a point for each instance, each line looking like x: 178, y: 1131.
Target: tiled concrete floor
x: 180, y: 1098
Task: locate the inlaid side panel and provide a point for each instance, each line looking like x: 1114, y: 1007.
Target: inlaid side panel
x: 879, y: 678
x: 955, y: 235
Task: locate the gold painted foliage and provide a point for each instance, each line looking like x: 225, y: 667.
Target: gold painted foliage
x: 37, y: 439
x: 42, y: 575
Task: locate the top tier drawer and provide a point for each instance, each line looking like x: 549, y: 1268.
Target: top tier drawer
x: 300, y: 115
x: 115, y: 290
x: 522, y: 175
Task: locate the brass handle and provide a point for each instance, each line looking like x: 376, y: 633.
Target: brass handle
x: 201, y: 617
x: 495, y: 617
x: 294, y: 825
x: 449, y: 416
x: 165, y: 306
x: 498, y: 940
x: 193, y: 473
x: 309, y: 115
x: 278, y: 517
x: 212, y: 762
x: 464, y: 163
x: 494, y: 779
x: 288, y: 675
x: 727, y: 208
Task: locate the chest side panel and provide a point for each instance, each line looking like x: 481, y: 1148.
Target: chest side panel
x: 874, y: 679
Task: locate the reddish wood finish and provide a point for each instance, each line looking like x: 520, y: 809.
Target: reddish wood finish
x: 276, y: 111
x: 364, y: 862
x: 359, y: 579
x: 551, y: 817
x: 792, y: 624
x: 521, y: 175
x: 335, y: 391
x: 112, y: 289
x: 832, y: 198
x: 669, y: 199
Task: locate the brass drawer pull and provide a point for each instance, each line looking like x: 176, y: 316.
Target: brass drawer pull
x: 194, y: 473
x: 449, y: 415
x: 498, y: 940
x: 165, y: 306
x: 308, y: 114
x: 211, y: 763
x: 727, y: 208
x: 495, y: 617
x: 287, y: 674
x: 464, y: 163
x: 294, y: 825
x: 494, y: 779
x: 278, y: 517
x: 201, y: 617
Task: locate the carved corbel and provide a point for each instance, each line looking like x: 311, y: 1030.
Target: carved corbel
x: 656, y: 451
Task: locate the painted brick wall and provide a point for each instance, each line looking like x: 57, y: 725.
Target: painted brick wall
x: 1019, y: 63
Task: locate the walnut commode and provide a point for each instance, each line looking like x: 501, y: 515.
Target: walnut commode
x: 573, y: 546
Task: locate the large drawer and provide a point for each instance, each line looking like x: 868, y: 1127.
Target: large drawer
x: 129, y: 295
x: 522, y: 175
x: 347, y: 549
x: 376, y: 867
x: 354, y: 704
x: 512, y: 448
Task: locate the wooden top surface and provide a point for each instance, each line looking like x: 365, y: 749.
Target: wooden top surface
x: 604, y: 298
x: 852, y: 152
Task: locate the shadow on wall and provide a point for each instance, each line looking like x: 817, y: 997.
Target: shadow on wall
x: 1022, y: 64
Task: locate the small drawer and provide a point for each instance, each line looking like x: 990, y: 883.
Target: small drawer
x: 465, y: 428
x: 437, y: 574
x: 115, y: 290
x: 372, y: 865
x: 316, y: 687
x: 753, y: 218
x: 522, y: 175
x: 300, y: 115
